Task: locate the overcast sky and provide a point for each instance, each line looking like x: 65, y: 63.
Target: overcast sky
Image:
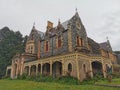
x: 101, y: 18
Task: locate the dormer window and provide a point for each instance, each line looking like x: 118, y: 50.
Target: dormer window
x: 59, y: 41
x: 79, y: 41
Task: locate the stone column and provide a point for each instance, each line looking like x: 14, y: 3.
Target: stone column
x: 91, y: 73
x: 36, y: 69
x: 51, y: 68
x: 22, y: 68
x: 63, y: 68
x: 29, y: 70
x: 41, y: 68
x: 103, y: 69
x: 12, y: 71
x: 77, y: 67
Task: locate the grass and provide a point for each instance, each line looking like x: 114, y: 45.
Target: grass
x: 6, y: 84
x: 115, y: 81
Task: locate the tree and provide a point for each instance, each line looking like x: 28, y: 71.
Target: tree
x: 11, y: 43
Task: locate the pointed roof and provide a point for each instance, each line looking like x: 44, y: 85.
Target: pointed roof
x: 34, y: 31
x: 76, y: 14
x: 68, y: 21
x: 59, y: 26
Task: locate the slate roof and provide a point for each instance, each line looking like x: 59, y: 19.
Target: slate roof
x: 104, y: 46
x: 41, y: 34
x: 94, y: 46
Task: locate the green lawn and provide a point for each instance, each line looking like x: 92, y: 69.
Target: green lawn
x: 31, y: 85
x: 114, y: 82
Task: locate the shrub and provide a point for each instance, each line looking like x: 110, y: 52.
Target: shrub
x: 22, y: 77
x: 6, y: 77
x: 68, y: 80
x: 93, y: 80
x: 86, y: 82
x: 41, y: 78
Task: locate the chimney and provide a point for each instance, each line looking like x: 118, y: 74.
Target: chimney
x: 49, y: 25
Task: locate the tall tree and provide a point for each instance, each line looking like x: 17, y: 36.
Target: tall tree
x: 10, y: 43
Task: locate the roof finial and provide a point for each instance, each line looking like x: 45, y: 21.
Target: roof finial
x: 76, y: 9
x: 107, y: 38
x: 34, y: 24
x: 58, y: 21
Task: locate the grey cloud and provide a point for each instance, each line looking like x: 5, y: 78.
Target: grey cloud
x: 101, y: 18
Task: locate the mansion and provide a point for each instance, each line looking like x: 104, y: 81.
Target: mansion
x: 63, y: 50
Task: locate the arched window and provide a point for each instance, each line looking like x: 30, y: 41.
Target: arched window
x: 107, y: 67
x: 59, y: 41
x: 81, y: 42
x: 84, y: 68
x: 69, y: 67
x: 78, y: 43
x: 46, y: 45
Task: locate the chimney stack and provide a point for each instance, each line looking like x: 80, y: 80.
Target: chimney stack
x: 49, y: 25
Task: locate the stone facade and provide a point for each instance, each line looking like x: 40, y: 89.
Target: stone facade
x: 62, y: 50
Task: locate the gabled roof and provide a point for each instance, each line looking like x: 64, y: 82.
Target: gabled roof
x: 68, y: 21
x: 94, y: 46
x: 106, y: 46
x: 60, y: 26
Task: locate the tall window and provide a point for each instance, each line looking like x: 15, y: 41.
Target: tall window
x: 84, y: 68
x: 69, y: 67
x: 46, y: 45
x: 59, y: 41
x: 78, y: 43
x: 81, y: 42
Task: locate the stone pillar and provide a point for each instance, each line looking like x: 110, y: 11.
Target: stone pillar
x: 16, y: 73
x: 29, y: 70
x: 41, y: 68
x: 63, y: 68
x: 103, y: 69
x: 36, y: 70
x: 12, y: 71
x: 77, y: 67
x: 91, y: 73
x: 51, y: 68
x: 22, y: 68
